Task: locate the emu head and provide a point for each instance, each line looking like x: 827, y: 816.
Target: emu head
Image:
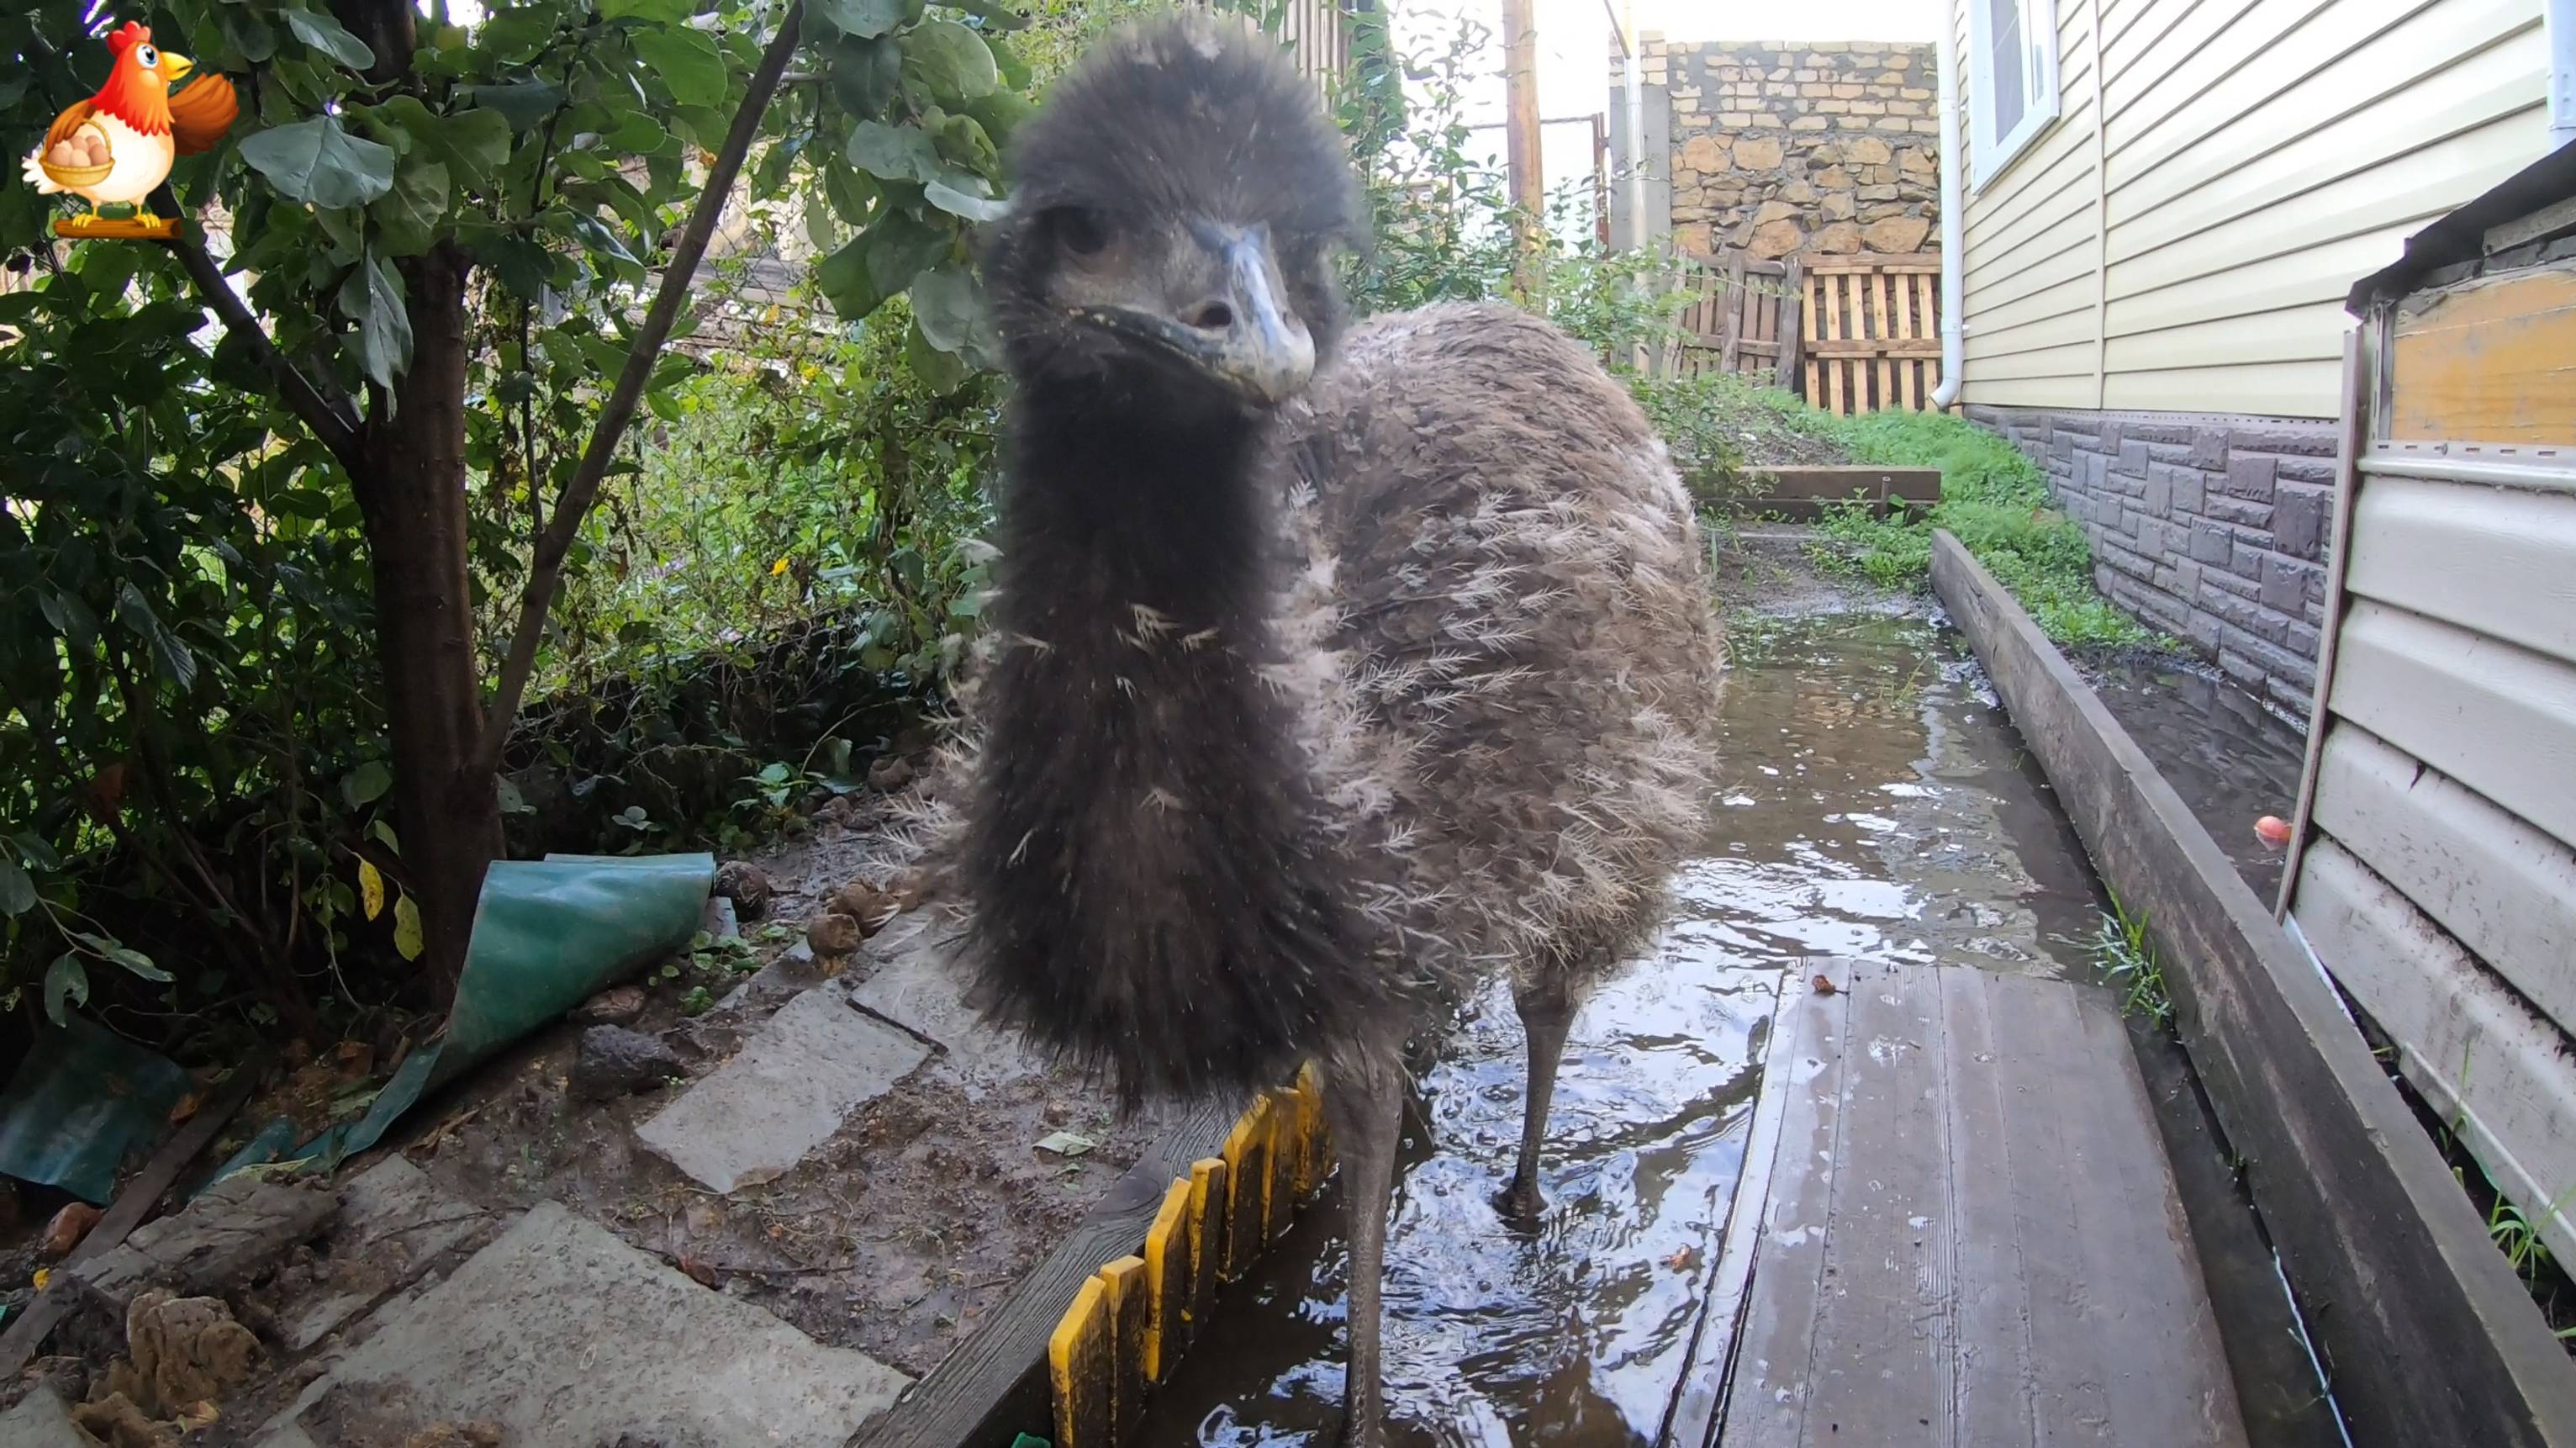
x: 1171, y: 236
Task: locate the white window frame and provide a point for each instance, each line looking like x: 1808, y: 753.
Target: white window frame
x: 1990, y: 153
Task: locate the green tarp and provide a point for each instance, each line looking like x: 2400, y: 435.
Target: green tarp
x: 548, y: 934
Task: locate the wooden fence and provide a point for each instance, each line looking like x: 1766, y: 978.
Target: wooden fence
x: 1742, y: 316
x: 1872, y: 337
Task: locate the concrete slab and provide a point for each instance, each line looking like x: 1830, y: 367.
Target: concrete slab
x: 393, y: 1222
x: 565, y: 1337
x: 915, y: 985
x: 41, y: 1421
x: 752, y: 1120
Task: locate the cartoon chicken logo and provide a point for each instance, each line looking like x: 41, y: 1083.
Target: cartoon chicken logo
x: 116, y: 147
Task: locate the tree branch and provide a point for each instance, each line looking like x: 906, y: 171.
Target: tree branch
x: 333, y: 419
x: 545, y: 567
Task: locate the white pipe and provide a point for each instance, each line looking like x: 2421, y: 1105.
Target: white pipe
x: 1954, y: 219
x: 2562, y: 72
x: 1631, y: 75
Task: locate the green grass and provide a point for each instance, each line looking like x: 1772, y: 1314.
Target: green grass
x: 1995, y: 500
x: 2128, y: 962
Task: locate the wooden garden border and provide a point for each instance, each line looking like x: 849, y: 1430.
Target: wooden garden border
x: 2428, y: 1336
x: 1173, y: 1208
x: 1800, y: 493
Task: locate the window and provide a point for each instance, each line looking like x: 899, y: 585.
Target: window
x: 2012, y: 80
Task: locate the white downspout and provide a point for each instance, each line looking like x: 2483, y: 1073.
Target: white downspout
x: 1954, y: 220
x: 1631, y: 76
x: 2562, y: 72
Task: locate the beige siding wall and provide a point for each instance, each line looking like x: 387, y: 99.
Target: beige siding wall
x: 2221, y: 172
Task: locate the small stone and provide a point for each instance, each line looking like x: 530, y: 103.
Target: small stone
x: 616, y: 1006
x: 1774, y: 211
x: 1704, y: 153
x: 66, y: 1230
x: 1868, y: 151
x: 889, y: 774
x: 866, y: 904
x: 1757, y: 153
x: 746, y: 885
x: 835, y: 811
x: 1775, y: 239
x: 614, y: 1061
x: 1899, y: 234
x: 1839, y: 238
x: 833, y: 934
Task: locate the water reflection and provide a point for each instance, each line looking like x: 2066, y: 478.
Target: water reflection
x: 1875, y: 804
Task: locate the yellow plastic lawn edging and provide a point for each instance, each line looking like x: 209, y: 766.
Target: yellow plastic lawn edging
x: 1131, y: 1320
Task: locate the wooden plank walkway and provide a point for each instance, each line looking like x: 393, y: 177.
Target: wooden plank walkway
x: 1971, y: 1235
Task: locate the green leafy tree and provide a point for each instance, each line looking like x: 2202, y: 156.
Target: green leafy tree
x: 448, y: 259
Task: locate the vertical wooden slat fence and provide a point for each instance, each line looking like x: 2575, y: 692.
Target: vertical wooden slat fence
x: 1872, y: 332
x: 1742, y: 316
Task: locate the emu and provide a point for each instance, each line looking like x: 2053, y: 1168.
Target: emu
x: 1328, y: 675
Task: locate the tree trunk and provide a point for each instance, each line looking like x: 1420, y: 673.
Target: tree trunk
x: 412, y: 493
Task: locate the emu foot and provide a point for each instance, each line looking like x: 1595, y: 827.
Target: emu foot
x: 1520, y: 1202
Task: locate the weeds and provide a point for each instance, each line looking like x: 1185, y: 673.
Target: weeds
x: 2128, y: 960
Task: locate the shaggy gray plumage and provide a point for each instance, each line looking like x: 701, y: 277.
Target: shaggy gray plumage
x: 1302, y: 712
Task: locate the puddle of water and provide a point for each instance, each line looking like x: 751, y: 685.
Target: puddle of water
x: 1877, y: 805
x: 2230, y: 759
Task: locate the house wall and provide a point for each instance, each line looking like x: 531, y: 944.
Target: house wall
x: 1777, y: 148
x: 2219, y: 175
x: 2436, y: 873
x: 2211, y: 528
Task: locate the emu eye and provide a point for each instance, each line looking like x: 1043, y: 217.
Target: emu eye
x: 1076, y: 230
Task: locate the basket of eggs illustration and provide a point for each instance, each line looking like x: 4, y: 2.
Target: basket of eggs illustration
x: 79, y: 159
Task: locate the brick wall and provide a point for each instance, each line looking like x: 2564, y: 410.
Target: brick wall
x: 1779, y: 148
x: 2212, y: 529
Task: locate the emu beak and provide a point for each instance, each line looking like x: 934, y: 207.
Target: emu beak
x: 1238, y: 331
x: 174, y: 67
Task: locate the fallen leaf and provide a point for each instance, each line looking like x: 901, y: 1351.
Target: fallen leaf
x: 357, y: 1059
x: 44, y: 1278
x: 1824, y: 985
x: 1683, y: 1260
x: 203, y: 1415
x: 1066, y: 1143
x: 699, y: 1272
x: 185, y: 1109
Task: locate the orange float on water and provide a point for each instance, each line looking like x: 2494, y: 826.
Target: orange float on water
x: 2272, y: 830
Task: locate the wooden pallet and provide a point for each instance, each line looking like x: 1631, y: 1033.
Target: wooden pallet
x: 1741, y: 316
x: 1129, y: 1324
x: 1872, y: 332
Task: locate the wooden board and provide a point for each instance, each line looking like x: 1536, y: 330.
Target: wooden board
x: 2496, y: 1069
x: 2493, y: 359
x: 2392, y: 1265
x: 1805, y: 492
x: 994, y: 1385
x: 1973, y: 1236
x: 2495, y: 884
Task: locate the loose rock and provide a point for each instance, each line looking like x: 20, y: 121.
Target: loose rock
x: 67, y: 1229
x: 866, y: 904
x: 745, y: 885
x: 833, y: 934
x: 835, y: 811
x: 616, y: 1006
x: 889, y: 774
x: 614, y: 1061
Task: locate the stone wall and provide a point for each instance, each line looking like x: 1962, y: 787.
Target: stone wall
x: 2212, y: 529
x: 1779, y: 148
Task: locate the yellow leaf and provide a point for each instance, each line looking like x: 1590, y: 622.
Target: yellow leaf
x: 43, y: 1276
x: 371, y: 889
x: 778, y: 567
x: 407, y: 928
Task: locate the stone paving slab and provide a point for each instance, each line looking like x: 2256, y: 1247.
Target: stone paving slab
x: 41, y: 1421
x: 915, y: 986
x: 393, y: 1221
x: 757, y: 1115
x: 565, y: 1337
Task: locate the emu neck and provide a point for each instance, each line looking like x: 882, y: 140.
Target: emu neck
x: 1105, y: 514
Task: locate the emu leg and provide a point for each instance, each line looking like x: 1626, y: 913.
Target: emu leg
x: 1367, y: 1106
x: 1547, y: 1012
